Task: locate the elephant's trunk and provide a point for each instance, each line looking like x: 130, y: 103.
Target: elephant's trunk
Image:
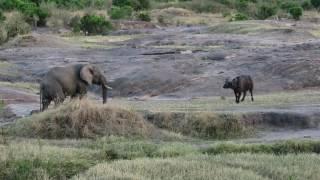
x: 104, y: 87
x: 104, y: 94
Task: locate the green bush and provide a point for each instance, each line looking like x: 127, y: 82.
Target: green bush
x: 266, y: 11
x: 124, y: 12
x: 296, y: 12
x: 306, y: 5
x: 93, y: 24
x: 239, y: 17
x: 288, y: 5
x: 135, y: 4
x: 144, y: 16
x: 241, y: 5
x: 315, y: 3
x: 30, y: 9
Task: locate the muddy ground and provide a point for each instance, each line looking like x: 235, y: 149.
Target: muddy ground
x: 173, y: 62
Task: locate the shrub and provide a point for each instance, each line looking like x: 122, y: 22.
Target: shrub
x: 30, y: 9
x: 315, y: 3
x: 241, y: 5
x: 93, y: 24
x: 306, y: 5
x: 288, y: 5
x: 239, y: 17
x: 265, y: 11
x: 16, y: 24
x: 144, y: 16
x: 296, y: 12
x: 121, y: 12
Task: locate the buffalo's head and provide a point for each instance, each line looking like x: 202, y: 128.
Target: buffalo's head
x: 227, y: 84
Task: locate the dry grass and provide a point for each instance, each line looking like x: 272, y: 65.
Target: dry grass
x: 83, y: 119
x: 180, y: 16
x: 32, y: 87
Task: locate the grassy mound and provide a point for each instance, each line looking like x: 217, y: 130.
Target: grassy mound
x: 83, y: 119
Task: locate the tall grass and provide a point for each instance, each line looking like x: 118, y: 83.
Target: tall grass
x: 82, y: 119
x: 222, y: 167
x: 121, y: 157
x: 37, y: 161
x: 204, y: 124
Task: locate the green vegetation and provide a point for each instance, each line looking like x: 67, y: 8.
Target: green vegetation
x: 239, y: 17
x: 107, y: 156
x: 296, y: 12
x: 144, y: 16
x: 124, y: 12
x: 222, y: 167
x: 94, y: 24
x: 204, y: 124
x: 315, y: 3
x: 286, y: 147
x: 306, y: 5
x: 266, y: 11
x: 136, y: 5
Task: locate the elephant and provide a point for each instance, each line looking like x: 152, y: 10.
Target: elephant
x: 71, y: 80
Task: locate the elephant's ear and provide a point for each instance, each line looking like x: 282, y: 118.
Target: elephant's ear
x: 86, y: 74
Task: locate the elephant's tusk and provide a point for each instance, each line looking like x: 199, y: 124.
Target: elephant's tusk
x: 108, y: 87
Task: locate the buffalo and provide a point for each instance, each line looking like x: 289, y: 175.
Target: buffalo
x: 240, y: 84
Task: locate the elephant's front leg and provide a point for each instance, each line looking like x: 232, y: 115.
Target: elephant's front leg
x: 59, y: 98
x: 80, y: 93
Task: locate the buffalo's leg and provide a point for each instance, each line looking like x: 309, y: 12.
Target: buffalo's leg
x: 236, y: 95
x: 251, y: 95
x: 239, y: 95
x: 244, y: 95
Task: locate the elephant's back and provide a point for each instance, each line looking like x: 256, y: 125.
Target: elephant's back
x: 66, y: 77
